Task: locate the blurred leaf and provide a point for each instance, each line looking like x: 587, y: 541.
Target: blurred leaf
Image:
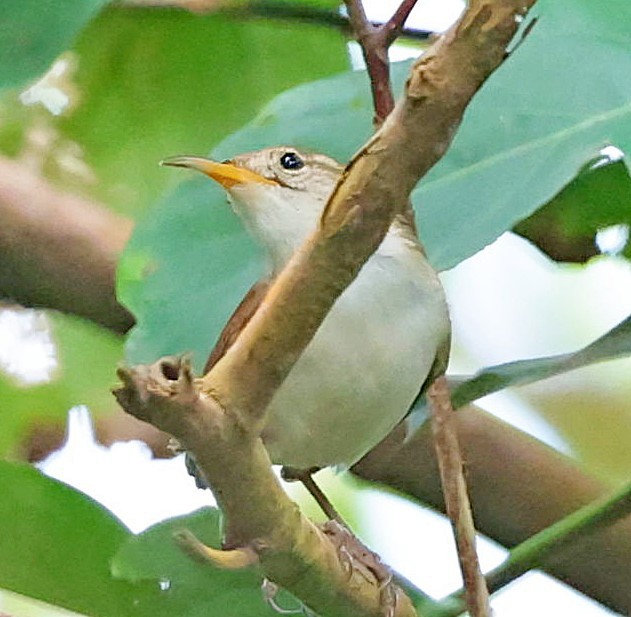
x: 565, y: 228
x: 34, y: 32
x: 193, y: 589
x: 331, y: 115
x: 189, y: 261
x: 154, y: 83
x: 590, y: 410
x: 57, y: 543
x: 184, y: 271
x: 614, y: 344
x: 526, y: 135
x: 87, y: 357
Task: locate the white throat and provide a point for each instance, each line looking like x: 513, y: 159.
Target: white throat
x: 278, y: 218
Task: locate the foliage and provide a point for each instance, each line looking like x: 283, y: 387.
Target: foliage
x: 145, y: 84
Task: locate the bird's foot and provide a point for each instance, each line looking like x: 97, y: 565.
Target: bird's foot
x: 358, y: 558
x: 270, y: 593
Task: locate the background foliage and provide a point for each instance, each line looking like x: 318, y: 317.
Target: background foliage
x: 143, y: 84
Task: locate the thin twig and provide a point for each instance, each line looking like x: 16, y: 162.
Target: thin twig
x: 394, y: 26
x: 535, y: 551
x: 375, y: 42
x: 456, y: 497
x: 274, y: 10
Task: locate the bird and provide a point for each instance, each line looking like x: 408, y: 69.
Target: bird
x: 385, y: 338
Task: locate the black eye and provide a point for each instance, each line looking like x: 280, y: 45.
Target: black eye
x: 290, y: 160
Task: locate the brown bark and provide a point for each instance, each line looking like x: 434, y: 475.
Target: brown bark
x: 518, y: 486
x: 219, y: 418
x: 58, y: 250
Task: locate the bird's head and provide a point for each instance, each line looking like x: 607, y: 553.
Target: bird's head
x: 279, y: 192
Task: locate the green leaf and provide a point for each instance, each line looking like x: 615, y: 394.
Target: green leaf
x: 614, y: 344
x: 87, y: 357
x: 464, y: 390
x: 184, y: 271
x: 565, y: 228
x: 155, y: 83
x: 193, y: 588
x: 56, y: 545
x: 34, y: 32
x: 526, y: 134
x: 532, y: 127
x: 189, y: 262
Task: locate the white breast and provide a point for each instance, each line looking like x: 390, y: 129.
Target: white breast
x: 365, y: 365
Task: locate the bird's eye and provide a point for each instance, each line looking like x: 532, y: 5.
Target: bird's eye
x: 290, y: 160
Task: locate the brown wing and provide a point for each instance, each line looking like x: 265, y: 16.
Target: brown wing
x: 239, y: 319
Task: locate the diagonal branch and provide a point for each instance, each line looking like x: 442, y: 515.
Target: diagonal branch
x: 393, y: 28
x: 59, y: 250
x: 515, y: 501
x: 260, y: 518
x: 374, y: 188
x: 219, y: 418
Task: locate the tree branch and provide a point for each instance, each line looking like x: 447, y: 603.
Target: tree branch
x: 219, y: 418
x: 259, y: 516
x: 272, y: 10
x: 59, y: 250
x: 518, y: 487
x: 512, y: 501
x: 456, y: 498
x: 374, y: 46
x: 394, y: 26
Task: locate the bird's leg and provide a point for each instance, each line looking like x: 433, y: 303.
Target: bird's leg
x: 291, y: 474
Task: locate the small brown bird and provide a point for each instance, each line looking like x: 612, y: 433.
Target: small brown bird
x: 384, y: 335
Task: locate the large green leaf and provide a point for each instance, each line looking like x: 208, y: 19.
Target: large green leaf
x: 34, y: 32
x: 183, y: 273
x: 87, y: 356
x: 533, y: 127
x: 193, y: 589
x: 526, y: 135
x: 156, y: 83
x: 57, y: 544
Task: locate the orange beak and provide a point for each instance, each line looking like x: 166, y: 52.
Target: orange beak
x: 227, y: 174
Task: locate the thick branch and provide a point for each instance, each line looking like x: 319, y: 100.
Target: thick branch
x: 288, y: 12
x: 221, y: 423
x: 518, y: 487
x: 59, y: 250
x: 259, y: 515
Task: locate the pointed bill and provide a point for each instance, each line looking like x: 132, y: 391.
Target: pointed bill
x: 226, y: 174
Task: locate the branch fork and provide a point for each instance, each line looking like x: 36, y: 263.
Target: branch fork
x: 218, y: 418
x: 263, y: 526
